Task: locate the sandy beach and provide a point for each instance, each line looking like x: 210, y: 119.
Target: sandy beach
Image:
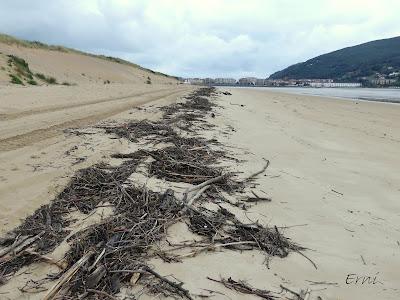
x: 37, y: 152
x: 334, y: 177
x: 333, y: 180
x: 213, y: 150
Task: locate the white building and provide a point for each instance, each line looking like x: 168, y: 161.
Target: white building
x: 195, y: 81
x: 227, y: 81
x: 383, y: 81
x: 335, y: 84
x: 260, y: 82
x: 209, y: 81
x: 248, y: 81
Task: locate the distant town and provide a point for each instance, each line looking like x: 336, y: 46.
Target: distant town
x: 377, y: 81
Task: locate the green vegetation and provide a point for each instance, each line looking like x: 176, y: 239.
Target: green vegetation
x: 148, y: 81
x: 40, y: 76
x: 349, y: 64
x: 15, y: 79
x: 51, y: 80
x: 20, y: 66
x: 22, y: 72
x: 32, y: 82
x: 66, y: 83
x: 47, y: 79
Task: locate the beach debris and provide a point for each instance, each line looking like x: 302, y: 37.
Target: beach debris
x: 363, y: 260
x: 116, y: 250
x: 244, y: 288
x: 321, y: 282
x: 339, y: 193
x: 298, y: 296
x: 67, y: 276
x: 257, y: 198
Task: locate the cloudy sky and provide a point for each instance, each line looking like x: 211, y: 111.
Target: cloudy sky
x: 217, y: 38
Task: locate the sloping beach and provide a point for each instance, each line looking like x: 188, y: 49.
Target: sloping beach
x: 332, y: 180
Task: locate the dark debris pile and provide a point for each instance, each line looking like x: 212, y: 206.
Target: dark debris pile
x: 119, y: 247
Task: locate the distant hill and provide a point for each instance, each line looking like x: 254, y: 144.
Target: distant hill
x: 351, y: 63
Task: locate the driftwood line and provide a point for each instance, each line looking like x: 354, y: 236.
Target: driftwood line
x: 116, y: 251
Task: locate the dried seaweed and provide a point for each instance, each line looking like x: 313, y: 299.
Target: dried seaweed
x: 122, y: 244
x: 244, y: 288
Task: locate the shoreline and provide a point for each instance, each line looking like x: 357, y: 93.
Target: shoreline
x: 290, y: 90
x: 331, y: 191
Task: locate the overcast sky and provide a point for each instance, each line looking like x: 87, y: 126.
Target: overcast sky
x: 216, y: 38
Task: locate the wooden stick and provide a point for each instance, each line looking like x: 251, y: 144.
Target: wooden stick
x: 61, y: 265
x: 210, y: 247
x: 102, y: 293
x: 257, y: 173
x: 309, y: 259
x: 16, y: 243
x: 21, y: 245
x: 363, y: 260
x: 67, y: 276
x: 201, y: 185
x: 197, y: 196
x: 97, y: 260
x: 290, y: 291
x: 19, y: 250
x: 146, y: 269
x: 171, y: 283
x: 307, y: 294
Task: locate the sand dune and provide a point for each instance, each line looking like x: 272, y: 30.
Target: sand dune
x: 75, y: 68
x: 33, y: 119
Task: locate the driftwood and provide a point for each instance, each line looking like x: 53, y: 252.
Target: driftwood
x: 67, y: 276
x: 197, y: 196
x: 146, y: 269
x: 94, y: 278
x: 19, y: 246
x: 309, y: 259
x: 61, y: 264
x: 257, y: 198
x: 244, y: 288
x: 102, y: 293
x: 205, y: 183
x: 214, y: 247
x: 171, y: 283
x: 16, y: 243
x: 97, y: 260
x: 254, y: 175
x: 125, y: 241
x: 298, y: 296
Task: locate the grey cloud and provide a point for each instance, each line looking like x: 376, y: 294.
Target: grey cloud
x: 203, y: 38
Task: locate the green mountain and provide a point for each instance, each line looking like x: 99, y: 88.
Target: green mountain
x: 351, y: 63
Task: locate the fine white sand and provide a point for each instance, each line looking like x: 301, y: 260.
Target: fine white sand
x: 334, y: 181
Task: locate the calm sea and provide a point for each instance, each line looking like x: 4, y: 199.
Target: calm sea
x: 383, y: 95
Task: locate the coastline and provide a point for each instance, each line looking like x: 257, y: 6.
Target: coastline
x: 332, y: 191
x: 332, y: 168
x: 385, y: 95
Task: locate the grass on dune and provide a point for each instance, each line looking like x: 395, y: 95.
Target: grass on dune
x: 10, y: 40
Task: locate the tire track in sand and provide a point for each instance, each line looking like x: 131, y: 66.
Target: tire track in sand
x: 34, y: 136
x: 13, y: 116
